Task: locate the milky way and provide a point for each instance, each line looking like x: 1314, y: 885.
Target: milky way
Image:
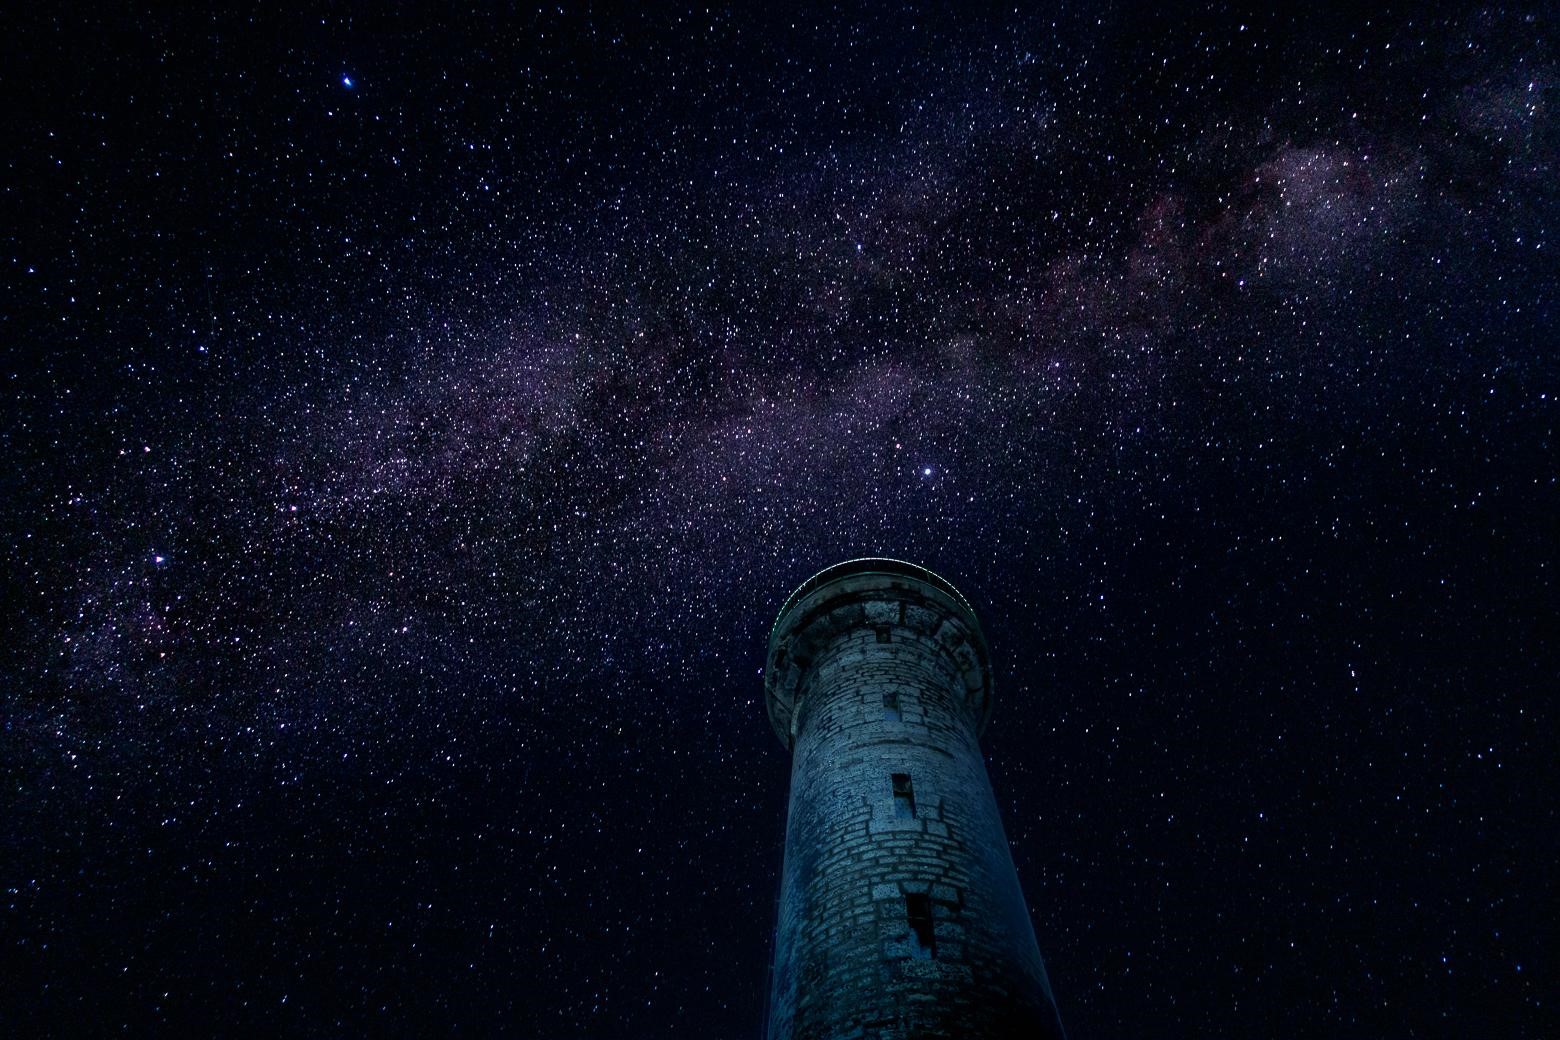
x: 414, y: 426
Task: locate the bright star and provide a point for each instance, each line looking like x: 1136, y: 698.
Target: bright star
x: 346, y: 81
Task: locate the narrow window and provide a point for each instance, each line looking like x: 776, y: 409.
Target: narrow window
x: 891, y: 706
x: 918, y: 912
x: 904, y: 797
x: 883, y: 635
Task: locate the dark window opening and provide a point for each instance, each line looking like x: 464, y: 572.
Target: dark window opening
x: 883, y: 635
x: 918, y: 912
x: 891, y: 707
x: 904, y: 797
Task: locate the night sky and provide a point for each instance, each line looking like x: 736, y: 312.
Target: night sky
x: 412, y: 422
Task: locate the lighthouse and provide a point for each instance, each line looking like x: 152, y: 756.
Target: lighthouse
x: 900, y: 912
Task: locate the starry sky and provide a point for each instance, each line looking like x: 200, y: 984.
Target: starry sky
x: 413, y: 420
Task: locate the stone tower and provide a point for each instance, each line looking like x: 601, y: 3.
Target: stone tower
x: 900, y: 911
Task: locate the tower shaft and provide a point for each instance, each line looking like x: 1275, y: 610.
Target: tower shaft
x: 900, y: 911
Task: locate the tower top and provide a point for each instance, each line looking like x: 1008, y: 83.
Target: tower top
x: 877, y: 593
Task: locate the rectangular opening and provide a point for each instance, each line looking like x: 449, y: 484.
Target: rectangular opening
x: 891, y: 707
x: 883, y: 635
x: 918, y: 913
x: 904, y: 797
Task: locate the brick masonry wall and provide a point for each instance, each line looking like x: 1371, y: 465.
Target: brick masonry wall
x: 897, y: 923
